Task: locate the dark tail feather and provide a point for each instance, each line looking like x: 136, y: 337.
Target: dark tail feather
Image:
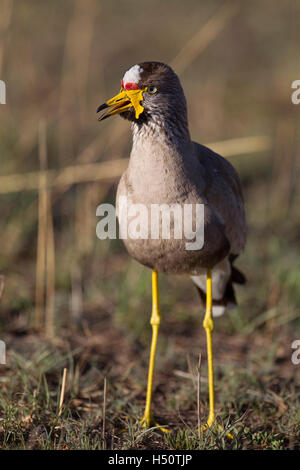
x: 229, y: 299
x: 236, y: 276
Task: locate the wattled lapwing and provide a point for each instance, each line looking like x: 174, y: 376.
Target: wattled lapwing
x: 168, y: 170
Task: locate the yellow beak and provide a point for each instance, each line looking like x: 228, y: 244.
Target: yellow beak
x: 121, y: 102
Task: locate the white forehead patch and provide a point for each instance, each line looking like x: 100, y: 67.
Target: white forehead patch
x: 133, y: 75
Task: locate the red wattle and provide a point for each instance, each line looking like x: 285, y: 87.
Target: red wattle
x: 131, y: 86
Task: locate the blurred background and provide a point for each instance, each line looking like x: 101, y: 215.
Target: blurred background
x: 71, y: 300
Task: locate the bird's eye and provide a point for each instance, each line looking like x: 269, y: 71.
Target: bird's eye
x: 152, y: 90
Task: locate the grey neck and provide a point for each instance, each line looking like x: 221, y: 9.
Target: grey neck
x: 157, y: 159
x: 162, y: 131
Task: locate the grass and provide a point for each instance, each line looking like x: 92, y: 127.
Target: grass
x: 30, y: 420
x: 256, y: 386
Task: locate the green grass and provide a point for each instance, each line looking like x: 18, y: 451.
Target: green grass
x: 256, y: 393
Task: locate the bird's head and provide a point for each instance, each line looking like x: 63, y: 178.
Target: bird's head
x: 149, y: 91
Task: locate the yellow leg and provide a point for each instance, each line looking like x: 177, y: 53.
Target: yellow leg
x: 148, y: 420
x: 208, y: 325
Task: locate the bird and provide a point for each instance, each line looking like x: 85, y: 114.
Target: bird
x: 168, y: 169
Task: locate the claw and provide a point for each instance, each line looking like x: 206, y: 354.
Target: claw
x: 149, y: 422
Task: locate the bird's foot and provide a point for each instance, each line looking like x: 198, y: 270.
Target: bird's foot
x: 148, y: 421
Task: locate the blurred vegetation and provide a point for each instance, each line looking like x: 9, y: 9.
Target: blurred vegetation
x: 59, y: 61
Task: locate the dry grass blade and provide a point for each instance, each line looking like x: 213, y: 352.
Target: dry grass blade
x: 204, y: 36
x: 243, y: 145
x: 5, y: 20
x: 50, y: 273
x: 42, y: 229
x: 283, y: 174
x: 91, y: 172
x: 2, y: 285
x: 110, y: 170
x: 62, y: 391
x: 75, y: 70
x: 104, y: 412
x: 104, y: 171
x: 198, y: 395
x: 76, y: 300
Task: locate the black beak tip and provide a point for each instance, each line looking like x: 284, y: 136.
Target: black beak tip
x: 103, y: 106
x: 103, y: 117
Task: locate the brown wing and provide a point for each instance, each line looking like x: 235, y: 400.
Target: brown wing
x: 224, y: 194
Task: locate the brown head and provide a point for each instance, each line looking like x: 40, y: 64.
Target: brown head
x: 150, y: 92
